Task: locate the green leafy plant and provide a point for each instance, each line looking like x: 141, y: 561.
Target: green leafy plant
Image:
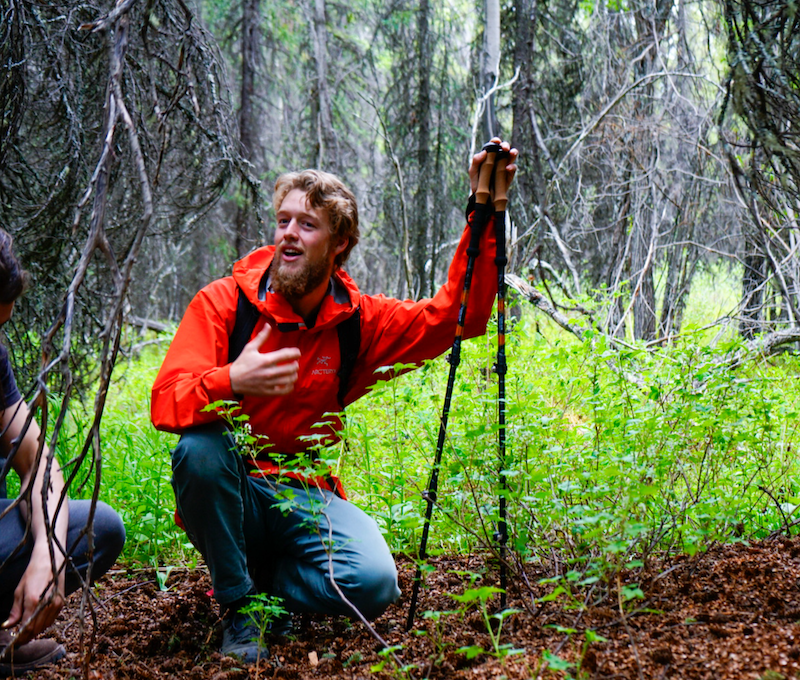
x: 603, y: 472
x: 136, y: 467
x: 479, y: 598
x: 162, y: 576
x: 437, y: 634
x: 557, y: 663
x: 391, y: 663
x: 264, y: 610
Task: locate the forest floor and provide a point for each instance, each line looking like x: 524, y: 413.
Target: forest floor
x: 730, y: 612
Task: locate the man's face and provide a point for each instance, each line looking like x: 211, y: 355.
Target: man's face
x: 304, y: 253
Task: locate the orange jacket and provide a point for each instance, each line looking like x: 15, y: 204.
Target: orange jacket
x: 195, y: 371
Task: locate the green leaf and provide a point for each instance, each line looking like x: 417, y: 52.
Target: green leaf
x: 556, y: 662
x: 472, y: 651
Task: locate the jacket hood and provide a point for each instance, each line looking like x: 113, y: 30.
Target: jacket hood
x: 342, y: 300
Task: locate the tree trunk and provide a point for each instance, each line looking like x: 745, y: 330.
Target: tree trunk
x: 680, y: 264
x: 422, y: 211
x: 682, y: 256
x: 753, y: 281
x: 646, y: 216
x: 645, y: 238
x: 326, y: 137
x: 489, y: 66
x: 439, y: 198
x: 244, y: 221
x: 529, y: 186
x: 619, y: 254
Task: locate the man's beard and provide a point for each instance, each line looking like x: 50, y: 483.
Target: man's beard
x: 293, y: 284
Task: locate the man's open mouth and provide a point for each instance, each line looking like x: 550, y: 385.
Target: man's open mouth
x: 290, y: 254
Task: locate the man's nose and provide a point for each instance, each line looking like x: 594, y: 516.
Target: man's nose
x: 292, y: 229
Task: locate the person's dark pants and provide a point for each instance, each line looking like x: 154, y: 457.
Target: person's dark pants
x: 108, y: 533
x: 253, y: 543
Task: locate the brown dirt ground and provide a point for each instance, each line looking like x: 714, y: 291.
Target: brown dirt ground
x: 731, y: 612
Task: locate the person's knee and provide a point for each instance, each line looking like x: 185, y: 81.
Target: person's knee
x: 107, y: 541
x: 109, y: 537
x: 203, y: 455
x: 375, y: 589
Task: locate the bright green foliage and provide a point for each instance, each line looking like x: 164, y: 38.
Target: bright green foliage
x: 390, y: 663
x: 480, y: 598
x: 556, y: 662
x: 602, y: 470
x: 437, y: 632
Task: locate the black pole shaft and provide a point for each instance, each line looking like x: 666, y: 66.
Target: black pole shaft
x: 501, y: 368
x: 480, y: 219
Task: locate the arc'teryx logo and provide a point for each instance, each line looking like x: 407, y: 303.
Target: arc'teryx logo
x: 321, y: 366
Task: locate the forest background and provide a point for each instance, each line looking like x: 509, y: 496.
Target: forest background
x: 652, y: 227
x: 138, y: 149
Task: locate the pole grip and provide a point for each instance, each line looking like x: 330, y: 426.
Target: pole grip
x: 483, y: 205
x: 501, y: 183
x: 483, y: 192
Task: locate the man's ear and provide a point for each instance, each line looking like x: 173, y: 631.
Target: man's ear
x: 342, y: 245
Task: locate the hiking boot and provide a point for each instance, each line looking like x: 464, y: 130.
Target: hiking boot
x: 241, y: 638
x: 282, y: 625
x: 28, y: 657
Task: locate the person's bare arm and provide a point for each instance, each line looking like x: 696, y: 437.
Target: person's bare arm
x: 37, y: 583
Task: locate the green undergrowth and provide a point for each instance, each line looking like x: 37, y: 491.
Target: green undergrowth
x: 612, y: 457
x: 135, y: 470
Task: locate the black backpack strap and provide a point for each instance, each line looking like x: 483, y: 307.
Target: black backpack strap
x: 246, y: 320
x: 349, y: 344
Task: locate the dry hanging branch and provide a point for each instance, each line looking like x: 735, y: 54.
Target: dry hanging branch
x: 762, y: 90
x: 97, y: 241
x: 170, y: 166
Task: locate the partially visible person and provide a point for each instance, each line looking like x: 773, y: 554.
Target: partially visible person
x: 35, y: 576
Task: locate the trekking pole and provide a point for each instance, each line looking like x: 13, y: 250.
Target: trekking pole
x: 500, y: 367
x: 483, y: 212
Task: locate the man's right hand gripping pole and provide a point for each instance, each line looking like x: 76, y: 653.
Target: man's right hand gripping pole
x: 490, y: 174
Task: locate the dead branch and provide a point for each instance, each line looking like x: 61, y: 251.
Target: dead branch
x: 149, y: 324
x: 770, y: 344
x: 767, y: 344
x: 562, y: 247
x: 543, y: 304
x: 117, y: 191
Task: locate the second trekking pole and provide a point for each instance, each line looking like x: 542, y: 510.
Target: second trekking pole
x: 483, y: 211
x: 500, y: 202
